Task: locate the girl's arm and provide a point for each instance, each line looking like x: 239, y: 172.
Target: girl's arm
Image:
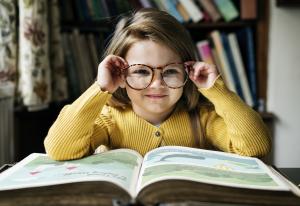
x: 73, y: 133
x: 77, y: 131
x: 233, y: 126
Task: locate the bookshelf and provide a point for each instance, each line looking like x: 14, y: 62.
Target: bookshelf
x: 199, y: 31
x: 42, y: 120
x: 287, y: 3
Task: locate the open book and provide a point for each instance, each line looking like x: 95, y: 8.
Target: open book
x: 168, y: 174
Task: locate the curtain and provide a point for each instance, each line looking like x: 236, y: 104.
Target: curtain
x: 8, y: 41
x: 34, y: 70
x: 8, y: 67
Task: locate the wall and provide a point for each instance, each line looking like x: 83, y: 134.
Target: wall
x: 284, y: 83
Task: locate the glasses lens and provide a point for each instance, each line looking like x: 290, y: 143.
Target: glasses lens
x: 174, y: 75
x: 139, y: 76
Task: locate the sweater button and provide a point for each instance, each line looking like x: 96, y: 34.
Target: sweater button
x: 157, y: 133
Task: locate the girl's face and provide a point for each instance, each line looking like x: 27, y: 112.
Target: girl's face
x: 156, y: 102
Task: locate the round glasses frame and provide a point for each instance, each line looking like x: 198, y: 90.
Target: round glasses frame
x: 186, y: 69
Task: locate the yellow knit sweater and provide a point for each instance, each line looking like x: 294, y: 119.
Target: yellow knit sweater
x: 85, y: 124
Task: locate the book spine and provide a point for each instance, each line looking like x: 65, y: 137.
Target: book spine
x: 183, y: 12
x: 217, y: 61
x: 210, y: 8
x: 79, y: 12
x: 240, y: 68
x: 84, y: 10
x: 193, y: 10
x: 66, y: 10
x: 86, y: 58
x: 251, y: 63
x: 93, y: 50
x: 73, y: 82
x: 112, y: 7
x: 170, y: 5
x: 248, y: 9
x: 96, y: 9
x: 205, y: 52
x: 217, y: 40
x: 146, y: 4
x: 90, y: 10
x: 159, y: 4
x: 77, y: 52
x: 227, y: 9
x: 232, y: 66
x: 105, y: 10
x: 246, y: 43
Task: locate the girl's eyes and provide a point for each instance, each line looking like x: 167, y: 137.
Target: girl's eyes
x: 141, y: 71
x: 170, y: 72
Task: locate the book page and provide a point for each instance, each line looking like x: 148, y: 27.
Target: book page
x: 172, y: 162
x: 118, y: 166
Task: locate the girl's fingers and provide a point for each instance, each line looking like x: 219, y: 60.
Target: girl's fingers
x: 116, y: 64
x: 203, y: 68
x: 121, y: 63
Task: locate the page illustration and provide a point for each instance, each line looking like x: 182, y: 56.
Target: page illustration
x: 118, y: 166
x: 205, y: 166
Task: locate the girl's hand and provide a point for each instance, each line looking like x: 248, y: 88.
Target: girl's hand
x: 202, y: 74
x: 109, y: 75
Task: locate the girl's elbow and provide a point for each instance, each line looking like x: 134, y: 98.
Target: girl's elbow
x: 260, y: 148
x: 52, y: 152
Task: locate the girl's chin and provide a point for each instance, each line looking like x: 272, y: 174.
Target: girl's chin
x: 159, y: 110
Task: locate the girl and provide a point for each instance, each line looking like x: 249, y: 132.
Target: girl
x: 151, y: 91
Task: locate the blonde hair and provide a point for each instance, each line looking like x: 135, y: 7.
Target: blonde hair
x: 160, y: 27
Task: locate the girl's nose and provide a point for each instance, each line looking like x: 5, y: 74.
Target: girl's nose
x: 157, y: 80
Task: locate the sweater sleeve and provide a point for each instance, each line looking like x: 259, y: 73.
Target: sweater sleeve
x: 233, y: 126
x: 72, y: 135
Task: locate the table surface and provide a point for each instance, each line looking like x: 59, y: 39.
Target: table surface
x: 293, y: 174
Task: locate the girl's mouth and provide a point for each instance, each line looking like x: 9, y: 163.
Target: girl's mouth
x: 155, y: 96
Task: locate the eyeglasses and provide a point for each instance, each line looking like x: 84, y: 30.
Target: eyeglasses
x: 140, y: 76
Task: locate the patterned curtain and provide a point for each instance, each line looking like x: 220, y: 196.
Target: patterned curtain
x: 8, y: 67
x: 34, y: 71
x: 59, y: 78
x: 8, y: 41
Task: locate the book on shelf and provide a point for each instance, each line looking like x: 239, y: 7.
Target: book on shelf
x: 159, y: 5
x: 217, y: 61
x: 72, y: 74
x: 205, y: 51
x: 183, y: 12
x: 227, y: 9
x: 112, y: 7
x: 248, y: 9
x: 231, y: 64
x: 192, y: 9
x: 224, y: 64
x: 146, y: 4
x: 246, y: 42
x: 241, y: 71
x: 211, y: 9
x: 91, y: 41
x: 66, y: 8
x: 171, y: 8
x: 79, y: 59
x: 168, y: 174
